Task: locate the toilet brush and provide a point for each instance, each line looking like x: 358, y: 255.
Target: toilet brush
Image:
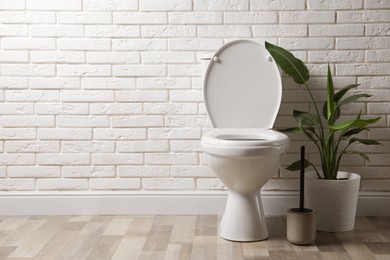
x: 301, y: 222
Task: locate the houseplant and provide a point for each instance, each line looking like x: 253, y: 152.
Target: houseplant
x: 332, y: 139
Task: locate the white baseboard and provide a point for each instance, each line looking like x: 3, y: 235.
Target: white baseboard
x: 162, y: 203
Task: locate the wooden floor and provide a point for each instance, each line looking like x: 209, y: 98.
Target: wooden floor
x: 177, y: 237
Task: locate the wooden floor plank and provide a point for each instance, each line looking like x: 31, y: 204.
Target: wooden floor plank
x: 177, y: 237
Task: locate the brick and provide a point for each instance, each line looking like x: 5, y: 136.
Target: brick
x: 63, y: 159
x: 83, y: 44
x: 167, y: 57
x: 336, y: 56
x: 84, y: 17
x: 110, y: 5
x: 12, y: 5
x: 375, y: 185
x: 13, y: 17
x: 362, y: 69
x: 61, y: 109
x: 117, y: 159
x: 112, y: 31
x: 187, y: 95
x: 171, y: 158
x: 13, y: 30
x: 379, y: 160
x: 378, y: 29
x: 57, y: 30
x: 139, y: 44
x: 195, y: 44
x: 165, y: 5
x: 62, y: 184
x: 335, y: 4
x: 116, y: 109
x: 261, y: 5
x: 378, y: 56
x: 27, y: 70
x: 143, y: 171
x: 27, y: 121
x: 163, y: 83
x: 139, y: 18
x: 174, y: 133
x: 53, y: 5
x: 54, y: 83
x: 112, y: 57
x: 209, y: 184
x: 181, y: 146
x: 141, y: 96
x: 164, y: 108
x: 34, y: 172
x: 183, y: 70
x: 376, y: 4
x: 195, y: 18
x: 107, y: 83
x: 17, y: 159
x: 378, y: 108
x: 57, y: 57
x: 87, y: 95
x: 120, y: 134
x: 13, y: 82
x: 64, y: 134
x: 88, y: 171
x: 114, y: 184
x: 374, y: 82
x: 82, y: 121
x: 32, y: 95
x: 363, y: 16
x: 309, y: 17
x: 168, y: 184
x: 32, y: 146
x: 3, y: 172
x: 221, y: 5
x: 250, y: 17
x: 17, y: 134
x: 142, y: 146
x: 139, y: 70
x: 178, y: 31
x: 215, y: 31
x: 279, y: 30
x: 379, y: 134
x: 307, y: 43
x: 84, y: 70
x: 17, y: 185
x: 136, y: 121
x: 16, y: 109
x: 192, y: 171
x: 363, y: 43
x: 336, y: 30
x: 88, y: 146
x: 187, y: 121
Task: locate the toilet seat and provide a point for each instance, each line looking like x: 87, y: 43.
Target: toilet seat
x: 242, y: 86
x: 244, y: 142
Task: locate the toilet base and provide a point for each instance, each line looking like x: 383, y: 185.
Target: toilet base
x: 243, y: 219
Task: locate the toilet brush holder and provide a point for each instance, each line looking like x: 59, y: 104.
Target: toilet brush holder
x: 301, y: 226
x: 301, y: 222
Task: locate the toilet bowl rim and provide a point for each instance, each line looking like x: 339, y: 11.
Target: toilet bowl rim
x: 248, y: 138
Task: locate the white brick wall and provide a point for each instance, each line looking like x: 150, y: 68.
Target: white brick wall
x: 106, y: 94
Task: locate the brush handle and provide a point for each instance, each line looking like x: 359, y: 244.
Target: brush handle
x: 302, y: 180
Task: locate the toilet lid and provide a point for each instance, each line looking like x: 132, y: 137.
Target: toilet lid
x: 242, y: 86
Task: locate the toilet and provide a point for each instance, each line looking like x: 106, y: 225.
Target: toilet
x: 242, y: 92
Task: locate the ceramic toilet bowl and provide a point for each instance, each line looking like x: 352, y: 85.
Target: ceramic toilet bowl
x: 244, y: 160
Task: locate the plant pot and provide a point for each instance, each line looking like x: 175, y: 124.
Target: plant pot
x: 334, y: 201
x: 301, y: 226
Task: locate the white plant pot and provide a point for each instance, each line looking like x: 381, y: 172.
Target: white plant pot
x: 334, y: 201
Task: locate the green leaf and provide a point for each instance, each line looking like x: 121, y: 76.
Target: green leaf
x: 357, y: 123
x: 306, y: 118
x: 291, y: 65
x: 295, y: 166
x: 336, y: 114
x: 290, y: 130
x: 358, y: 153
x: 331, y: 105
x: 342, y: 92
x: 353, y: 131
x: 364, y: 141
x: 353, y: 98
